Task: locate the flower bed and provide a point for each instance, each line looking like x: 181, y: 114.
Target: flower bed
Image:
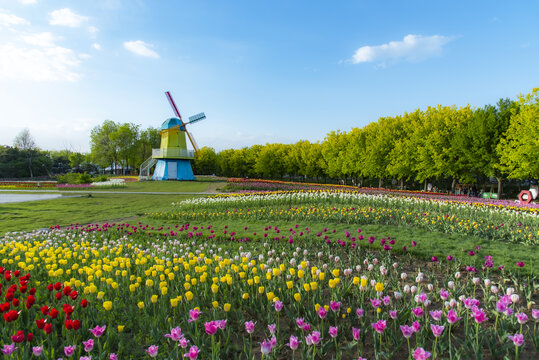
x: 200, y: 291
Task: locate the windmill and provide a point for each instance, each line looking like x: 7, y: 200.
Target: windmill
x: 173, y: 157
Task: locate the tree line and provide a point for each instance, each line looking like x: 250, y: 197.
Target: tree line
x: 465, y: 145
x: 461, y: 145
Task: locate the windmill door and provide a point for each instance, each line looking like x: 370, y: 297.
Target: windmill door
x: 172, y: 170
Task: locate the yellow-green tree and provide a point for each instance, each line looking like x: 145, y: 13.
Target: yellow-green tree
x: 519, y: 149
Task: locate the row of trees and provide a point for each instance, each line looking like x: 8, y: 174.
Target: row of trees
x: 462, y: 144
x: 17, y: 162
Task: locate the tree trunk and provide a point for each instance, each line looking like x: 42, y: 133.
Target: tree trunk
x: 425, y: 186
x: 402, y: 184
x: 500, y: 187
x: 381, y: 182
x: 453, y: 184
x: 361, y: 181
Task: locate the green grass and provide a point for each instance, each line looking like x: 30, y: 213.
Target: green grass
x: 32, y: 215
x: 150, y: 186
x: 168, y: 186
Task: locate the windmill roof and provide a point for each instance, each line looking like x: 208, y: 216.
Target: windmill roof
x: 169, y: 123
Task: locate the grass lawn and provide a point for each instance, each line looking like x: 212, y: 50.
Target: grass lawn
x: 171, y: 186
x: 32, y: 215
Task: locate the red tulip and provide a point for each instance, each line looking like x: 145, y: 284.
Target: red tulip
x: 84, y: 303
x: 29, y: 337
x: 40, y: 323
x: 48, y: 328
x: 18, y: 338
x: 53, y: 313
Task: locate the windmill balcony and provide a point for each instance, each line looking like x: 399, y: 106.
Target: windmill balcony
x: 173, y: 154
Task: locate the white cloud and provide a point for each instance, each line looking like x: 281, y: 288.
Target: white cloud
x: 28, y: 2
x: 45, y: 39
x: 66, y: 17
x: 96, y: 46
x: 9, y: 20
x: 93, y: 31
x: 411, y: 48
x: 141, y: 48
x: 43, y: 60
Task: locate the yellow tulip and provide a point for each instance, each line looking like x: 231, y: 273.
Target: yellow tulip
x: 297, y: 297
x: 154, y: 299
x: 226, y: 307
x: 140, y: 305
x: 107, y: 305
x: 121, y: 328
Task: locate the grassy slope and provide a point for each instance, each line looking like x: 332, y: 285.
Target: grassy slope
x: 99, y: 208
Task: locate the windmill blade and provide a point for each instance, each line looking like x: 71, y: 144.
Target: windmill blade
x: 174, y: 107
x: 193, y: 142
x: 195, y: 118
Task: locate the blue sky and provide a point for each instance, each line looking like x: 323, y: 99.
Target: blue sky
x: 262, y: 71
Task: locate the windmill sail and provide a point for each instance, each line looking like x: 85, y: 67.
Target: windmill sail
x: 195, y: 118
x: 192, y: 119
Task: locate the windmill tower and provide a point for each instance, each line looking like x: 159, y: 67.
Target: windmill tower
x: 173, y: 157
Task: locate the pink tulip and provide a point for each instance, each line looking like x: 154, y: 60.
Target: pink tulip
x: 88, y: 345
x: 9, y: 349
x: 98, y: 330
x: 322, y: 312
x: 421, y: 354
x: 250, y: 326
x: 436, y: 314
x: 407, y: 331
x: 521, y: 318
x: 278, y: 306
x: 392, y: 314
x: 210, y: 328
x: 335, y: 306
x: 175, y: 334
x: 418, y: 311
x: 416, y: 326
x: 437, y: 330
x: 452, y: 316
x: 376, y: 303
x: 517, y: 339
x: 379, y: 326
x: 272, y: 328
x: 293, y: 343
x: 192, y: 353
x: 69, y: 350
x: 479, y: 316
x: 265, y: 347
x: 194, y: 314
x: 356, y: 333
x: 333, y: 330
x: 152, y: 350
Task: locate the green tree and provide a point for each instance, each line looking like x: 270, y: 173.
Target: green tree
x: 25, y: 143
x: 519, y: 148
x: 205, y: 162
x: 105, y: 150
x: 126, y: 139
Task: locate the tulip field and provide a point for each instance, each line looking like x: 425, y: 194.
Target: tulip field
x: 290, y: 274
